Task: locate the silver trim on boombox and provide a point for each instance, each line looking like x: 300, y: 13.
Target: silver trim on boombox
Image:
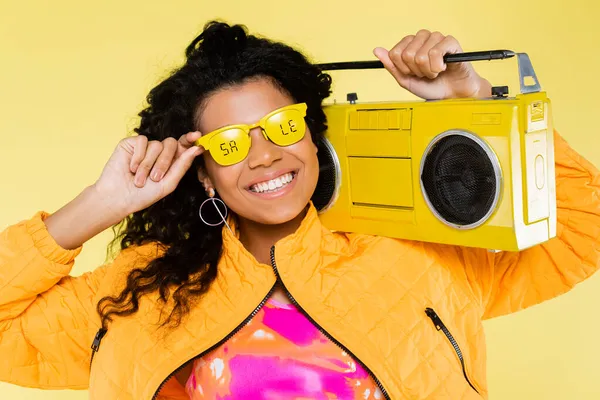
x: 338, y: 175
x: 497, y: 173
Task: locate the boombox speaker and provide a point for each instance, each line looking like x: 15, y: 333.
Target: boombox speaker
x: 470, y: 172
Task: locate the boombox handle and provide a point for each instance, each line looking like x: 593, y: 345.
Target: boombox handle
x: 526, y: 71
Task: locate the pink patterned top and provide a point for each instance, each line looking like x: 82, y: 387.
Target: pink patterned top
x: 279, y: 354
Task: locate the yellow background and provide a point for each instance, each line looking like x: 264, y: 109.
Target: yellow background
x: 74, y: 74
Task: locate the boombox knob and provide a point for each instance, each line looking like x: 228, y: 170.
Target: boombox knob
x: 499, y: 91
x: 352, y: 97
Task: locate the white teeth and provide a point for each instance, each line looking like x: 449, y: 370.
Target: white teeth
x: 273, y: 184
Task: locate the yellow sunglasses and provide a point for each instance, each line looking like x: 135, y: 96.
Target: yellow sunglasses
x: 230, y: 144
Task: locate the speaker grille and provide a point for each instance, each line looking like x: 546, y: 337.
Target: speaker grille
x: 460, y: 179
x: 329, y: 181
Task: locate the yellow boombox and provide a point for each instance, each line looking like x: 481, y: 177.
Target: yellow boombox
x: 471, y: 172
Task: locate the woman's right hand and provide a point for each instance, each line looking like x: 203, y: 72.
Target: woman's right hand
x: 140, y: 172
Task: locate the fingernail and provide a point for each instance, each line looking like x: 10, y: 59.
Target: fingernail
x: 139, y: 182
x: 134, y: 167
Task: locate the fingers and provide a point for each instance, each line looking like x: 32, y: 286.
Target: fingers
x: 429, y: 61
x: 399, y: 70
x: 420, y: 55
x: 448, y: 45
x: 164, y: 160
x: 139, y: 151
x: 180, y: 167
x: 152, y: 151
x: 396, y: 55
x: 186, y: 141
x: 409, y: 55
x: 155, y: 159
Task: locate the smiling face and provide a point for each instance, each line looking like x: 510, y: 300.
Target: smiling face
x: 273, y: 184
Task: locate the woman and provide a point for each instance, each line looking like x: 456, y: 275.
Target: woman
x: 270, y: 304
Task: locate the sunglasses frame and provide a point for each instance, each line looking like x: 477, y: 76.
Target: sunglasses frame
x: 204, y: 141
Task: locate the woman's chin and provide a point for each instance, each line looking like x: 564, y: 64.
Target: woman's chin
x: 279, y: 215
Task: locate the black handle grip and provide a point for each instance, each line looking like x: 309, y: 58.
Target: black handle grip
x: 448, y: 58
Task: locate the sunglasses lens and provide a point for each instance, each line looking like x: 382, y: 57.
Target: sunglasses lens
x: 286, y: 128
x: 230, y: 147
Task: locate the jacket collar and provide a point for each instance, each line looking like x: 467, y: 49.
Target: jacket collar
x: 296, y: 251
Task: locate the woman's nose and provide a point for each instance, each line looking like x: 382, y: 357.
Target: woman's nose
x: 262, y: 152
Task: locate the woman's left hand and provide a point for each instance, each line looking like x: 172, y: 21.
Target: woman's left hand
x: 417, y: 63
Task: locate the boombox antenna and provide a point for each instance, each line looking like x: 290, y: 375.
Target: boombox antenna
x: 526, y: 71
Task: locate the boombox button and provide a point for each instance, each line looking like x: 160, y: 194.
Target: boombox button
x: 540, y: 172
x: 499, y: 92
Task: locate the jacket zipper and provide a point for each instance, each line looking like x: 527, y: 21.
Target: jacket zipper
x: 219, y: 343
x: 102, y: 332
x: 96, y: 343
x: 439, y: 325
x: 323, y: 331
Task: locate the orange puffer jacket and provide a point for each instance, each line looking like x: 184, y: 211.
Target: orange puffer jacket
x: 411, y: 312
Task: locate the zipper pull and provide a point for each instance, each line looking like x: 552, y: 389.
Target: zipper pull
x: 434, y: 318
x: 98, y: 338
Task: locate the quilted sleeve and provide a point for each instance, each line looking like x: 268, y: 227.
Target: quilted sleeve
x: 511, y: 281
x: 44, y: 312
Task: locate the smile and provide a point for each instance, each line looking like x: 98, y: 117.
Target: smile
x: 273, y: 185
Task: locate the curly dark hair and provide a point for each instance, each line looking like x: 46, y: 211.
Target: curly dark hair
x: 221, y: 56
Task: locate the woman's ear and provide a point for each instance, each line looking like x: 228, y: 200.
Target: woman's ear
x: 204, y: 178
